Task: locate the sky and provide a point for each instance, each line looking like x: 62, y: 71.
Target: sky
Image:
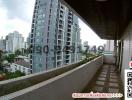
x: 16, y: 15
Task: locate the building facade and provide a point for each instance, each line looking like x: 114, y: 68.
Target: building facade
x: 109, y: 45
x: 21, y: 66
x: 2, y: 44
x: 14, y: 41
x: 84, y: 45
x: 55, y: 31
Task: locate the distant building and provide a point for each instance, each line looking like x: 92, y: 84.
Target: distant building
x: 109, y: 45
x: 28, y: 40
x: 2, y: 44
x: 84, y: 45
x: 27, y: 59
x: 26, y: 45
x: 21, y: 65
x: 14, y: 41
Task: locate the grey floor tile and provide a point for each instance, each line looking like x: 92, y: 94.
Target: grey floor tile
x: 114, y: 80
x: 101, y: 78
x: 103, y: 75
x: 97, y: 89
x: 114, y: 84
x: 113, y: 90
x: 100, y: 83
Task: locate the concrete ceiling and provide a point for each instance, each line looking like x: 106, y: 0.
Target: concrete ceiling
x: 108, y: 18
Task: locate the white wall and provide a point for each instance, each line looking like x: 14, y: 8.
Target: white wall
x: 84, y: 45
x: 14, y: 41
x: 15, y: 67
x: 109, y: 45
x: 2, y: 44
x: 127, y: 49
x: 109, y: 59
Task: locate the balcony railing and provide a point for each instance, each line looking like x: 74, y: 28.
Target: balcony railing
x: 50, y: 84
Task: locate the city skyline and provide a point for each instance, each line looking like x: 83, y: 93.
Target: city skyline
x: 20, y: 20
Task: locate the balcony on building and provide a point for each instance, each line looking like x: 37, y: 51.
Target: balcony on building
x: 68, y: 39
x: 60, y: 26
x: 59, y: 37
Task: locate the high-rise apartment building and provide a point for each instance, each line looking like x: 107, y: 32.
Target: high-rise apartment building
x: 55, y: 36
x: 2, y: 44
x: 109, y: 45
x: 14, y: 41
x: 84, y: 45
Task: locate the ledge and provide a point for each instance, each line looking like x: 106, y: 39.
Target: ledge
x: 65, y: 84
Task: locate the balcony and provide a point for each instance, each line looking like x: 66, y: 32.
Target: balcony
x: 66, y: 80
x: 59, y: 37
x: 68, y: 39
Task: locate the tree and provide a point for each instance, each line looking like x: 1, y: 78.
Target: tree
x: 27, y: 51
x: 10, y: 58
x: 1, y: 54
x: 18, y: 52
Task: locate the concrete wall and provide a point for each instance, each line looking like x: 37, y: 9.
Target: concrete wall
x: 109, y: 59
x: 20, y: 83
x: 109, y: 45
x: 60, y: 87
x: 127, y: 49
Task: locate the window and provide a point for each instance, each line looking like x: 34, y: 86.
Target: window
x: 40, y: 11
x: 23, y: 69
x: 37, y: 40
x: 62, y: 7
x: 31, y: 40
x: 38, y: 34
x: 47, y: 40
x: 29, y: 70
x: 61, y: 16
x: 48, y: 28
x: 31, y: 61
x: 31, y: 35
x: 43, y: 15
x: 32, y: 30
x: 40, y: 65
x: 40, y: 59
x: 19, y: 68
x: 39, y: 21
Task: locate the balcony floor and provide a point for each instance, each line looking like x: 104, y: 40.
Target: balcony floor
x: 106, y: 80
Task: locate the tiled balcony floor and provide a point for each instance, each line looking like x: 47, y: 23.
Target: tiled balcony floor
x: 106, y: 80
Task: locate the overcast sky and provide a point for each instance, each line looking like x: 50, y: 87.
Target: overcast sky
x: 17, y: 15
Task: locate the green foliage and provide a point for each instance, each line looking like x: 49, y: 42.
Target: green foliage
x: 18, y: 52
x: 89, y: 57
x: 10, y: 75
x: 26, y: 51
x: 1, y: 57
x: 10, y: 58
x: 1, y: 52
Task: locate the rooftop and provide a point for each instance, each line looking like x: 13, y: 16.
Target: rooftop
x: 23, y: 63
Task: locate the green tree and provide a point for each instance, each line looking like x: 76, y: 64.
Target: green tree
x: 10, y: 58
x: 18, y: 52
x: 1, y: 59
